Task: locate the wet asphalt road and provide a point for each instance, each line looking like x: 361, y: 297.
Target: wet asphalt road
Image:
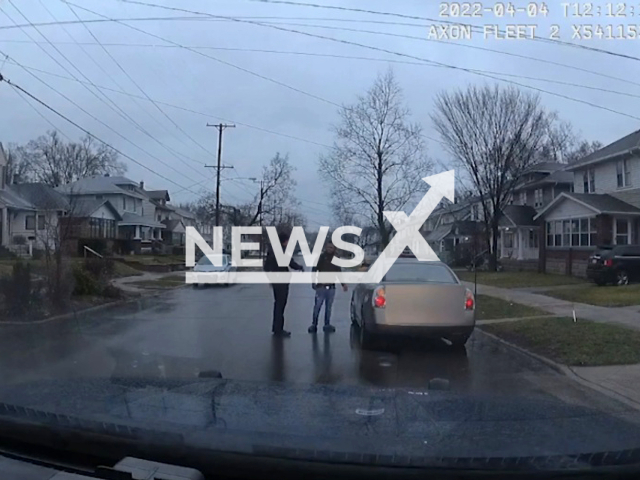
x: 186, y: 331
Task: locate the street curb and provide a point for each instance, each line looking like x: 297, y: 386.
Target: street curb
x: 97, y: 308
x: 568, y: 371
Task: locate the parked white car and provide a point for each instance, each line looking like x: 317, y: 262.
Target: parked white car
x: 222, y: 274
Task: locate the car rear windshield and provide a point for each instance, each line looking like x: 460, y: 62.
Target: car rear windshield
x: 420, y: 272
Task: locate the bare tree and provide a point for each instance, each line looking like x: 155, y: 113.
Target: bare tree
x: 494, y: 134
x: 278, y: 202
x: 582, y: 149
x: 274, y: 200
x: 51, y: 160
x: 377, y: 160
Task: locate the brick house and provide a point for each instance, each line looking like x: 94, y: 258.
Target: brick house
x: 603, y: 209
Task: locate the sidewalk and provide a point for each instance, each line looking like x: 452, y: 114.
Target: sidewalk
x: 621, y: 382
x: 124, y: 283
x: 626, y: 316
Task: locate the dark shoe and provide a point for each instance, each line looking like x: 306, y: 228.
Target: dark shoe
x: 328, y: 329
x: 312, y: 329
x: 282, y: 333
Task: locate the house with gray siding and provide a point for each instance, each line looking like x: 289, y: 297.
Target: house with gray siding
x: 603, y: 209
x: 137, y: 222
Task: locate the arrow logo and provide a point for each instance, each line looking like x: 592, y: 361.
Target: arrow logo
x: 407, y: 235
x: 408, y: 228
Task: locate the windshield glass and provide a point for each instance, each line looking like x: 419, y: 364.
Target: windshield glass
x: 427, y: 215
x: 205, y: 260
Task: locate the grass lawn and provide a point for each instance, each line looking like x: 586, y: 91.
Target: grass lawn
x: 601, y: 296
x: 123, y: 270
x: 581, y: 343
x: 491, y: 308
x: 170, y: 281
x: 519, y: 279
x: 154, y: 259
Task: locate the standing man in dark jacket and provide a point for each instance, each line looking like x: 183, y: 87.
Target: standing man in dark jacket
x: 280, y: 290
x: 325, y: 292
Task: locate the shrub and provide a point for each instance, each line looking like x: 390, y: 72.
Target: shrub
x: 37, y: 254
x: 111, y: 291
x: 6, y: 253
x: 178, y: 251
x: 99, y: 268
x: 85, y: 282
x: 18, y: 291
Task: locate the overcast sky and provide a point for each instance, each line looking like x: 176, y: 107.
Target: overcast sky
x: 220, y: 91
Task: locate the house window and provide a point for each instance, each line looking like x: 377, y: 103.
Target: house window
x: 572, y: 233
x: 124, y: 203
x: 99, y: 197
x: 41, y: 222
x: 135, y: 205
x: 623, y: 173
x: 30, y: 222
x: 533, y: 239
x: 538, y: 198
x: 589, y: 181
x: 475, y: 214
x: 622, y: 231
x: 523, y: 198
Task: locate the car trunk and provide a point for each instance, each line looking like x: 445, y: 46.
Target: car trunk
x: 425, y: 304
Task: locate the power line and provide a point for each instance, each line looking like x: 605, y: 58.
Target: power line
x: 224, y: 62
x: 204, y: 114
x: 175, y: 124
x: 103, y: 123
x: 387, y: 60
x: 87, y: 132
x: 370, y: 47
x: 42, y: 115
x: 75, y: 78
x: 112, y: 78
x: 436, y: 20
x: 328, y: 55
x: 199, y: 18
x: 462, y: 45
x: 117, y: 109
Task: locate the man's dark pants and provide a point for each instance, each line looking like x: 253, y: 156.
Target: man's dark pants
x: 280, y: 294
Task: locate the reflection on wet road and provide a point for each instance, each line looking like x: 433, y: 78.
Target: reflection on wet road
x: 189, y: 332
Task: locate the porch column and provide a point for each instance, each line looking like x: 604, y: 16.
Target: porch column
x: 520, y: 242
x: 5, y: 227
x: 137, y: 232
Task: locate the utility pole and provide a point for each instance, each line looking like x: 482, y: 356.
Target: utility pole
x: 260, y: 216
x: 221, y: 127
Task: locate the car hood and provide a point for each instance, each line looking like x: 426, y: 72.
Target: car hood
x: 341, y: 423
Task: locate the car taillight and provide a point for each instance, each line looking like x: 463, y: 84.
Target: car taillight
x: 608, y: 262
x: 379, y: 298
x: 469, y: 302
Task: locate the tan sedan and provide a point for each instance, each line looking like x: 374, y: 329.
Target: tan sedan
x: 415, y: 298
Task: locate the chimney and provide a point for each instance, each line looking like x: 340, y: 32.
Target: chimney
x: 141, y: 185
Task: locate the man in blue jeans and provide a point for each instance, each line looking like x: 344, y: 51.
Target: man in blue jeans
x: 325, y: 292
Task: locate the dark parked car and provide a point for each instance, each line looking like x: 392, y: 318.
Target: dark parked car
x: 618, y: 265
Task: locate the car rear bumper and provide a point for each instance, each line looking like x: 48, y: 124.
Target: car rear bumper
x: 423, y: 331
x: 600, y: 274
